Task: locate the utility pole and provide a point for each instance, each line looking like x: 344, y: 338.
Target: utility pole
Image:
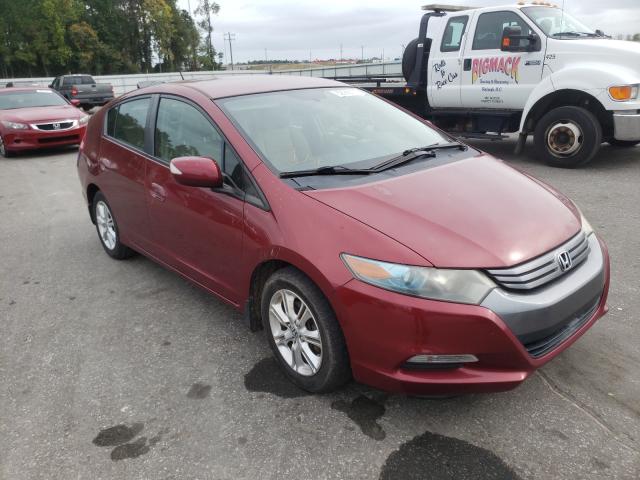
x: 265, y: 56
x: 340, y: 52
x: 230, y: 37
x: 362, y: 52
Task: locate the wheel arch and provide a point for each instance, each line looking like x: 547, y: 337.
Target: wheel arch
x: 92, y: 189
x: 565, y: 98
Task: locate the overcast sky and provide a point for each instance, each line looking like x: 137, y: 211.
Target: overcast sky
x: 296, y: 29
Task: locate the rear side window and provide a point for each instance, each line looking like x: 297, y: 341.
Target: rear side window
x: 181, y: 130
x: 490, y: 27
x: 453, y: 33
x: 127, y: 122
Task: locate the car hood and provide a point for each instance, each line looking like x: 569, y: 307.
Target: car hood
x: 41, y: 114
x: 473, y: 213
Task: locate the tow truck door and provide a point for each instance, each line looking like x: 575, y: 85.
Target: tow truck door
x: 445, y: 63
x: 495, y: 79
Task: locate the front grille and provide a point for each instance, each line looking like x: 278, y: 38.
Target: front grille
x: 55, y: 126
x: 66, y: 138
x: 542, y: 270
x: 544, y: 345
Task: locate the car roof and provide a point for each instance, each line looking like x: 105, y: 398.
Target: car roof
x: 234, y: 85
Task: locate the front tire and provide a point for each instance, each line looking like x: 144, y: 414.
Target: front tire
x: 567, y: 137
x: 622, y: 143
x: 107, y: 229
x: 303, y: 332
x: 3, y: 150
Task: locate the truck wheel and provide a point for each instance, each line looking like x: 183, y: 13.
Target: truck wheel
x: 87, y: 108
x: 622, y: 143
x: 567, y: 137
x: 409, y: 58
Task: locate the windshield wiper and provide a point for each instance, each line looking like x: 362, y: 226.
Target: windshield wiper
x: 574, y: 34
x: 330, y: 170
x: 413, y: 153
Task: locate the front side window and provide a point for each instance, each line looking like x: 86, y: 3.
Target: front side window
x: 129, y: 121
x: 311, y: 128
x: 490, y: 27
x: 453, y: 33
x: 182, y: 130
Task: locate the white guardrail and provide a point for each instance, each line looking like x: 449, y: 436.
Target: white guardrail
x: 125, y: 83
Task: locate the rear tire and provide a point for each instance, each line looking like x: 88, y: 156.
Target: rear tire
x: 107, y: 229
x: 303, y: 332
x: 567, y: 137
x: 622, y: 143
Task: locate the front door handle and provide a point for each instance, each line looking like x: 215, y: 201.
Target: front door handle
x: 158, y: 192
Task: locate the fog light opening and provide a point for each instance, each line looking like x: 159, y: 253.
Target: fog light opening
x: 424, y: 361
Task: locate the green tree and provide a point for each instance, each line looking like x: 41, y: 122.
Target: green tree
x: 207, y: 9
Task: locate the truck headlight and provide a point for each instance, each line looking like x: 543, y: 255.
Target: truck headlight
x: 460, y: 286
x: 621, y: 93
x: 14, y: 125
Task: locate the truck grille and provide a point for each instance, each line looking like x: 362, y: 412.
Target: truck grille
x: 55, y: 126
x: 542, y: 270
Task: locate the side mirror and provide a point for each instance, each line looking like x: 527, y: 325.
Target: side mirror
x: 196, y: 172
x: 514, y: 41
x: 75, y: 102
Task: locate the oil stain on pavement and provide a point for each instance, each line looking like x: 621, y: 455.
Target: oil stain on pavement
x: 199, y: 391
x: 121, y: 436
x: 437, y: 457
x: 266, y: 376
x: 364, y: 411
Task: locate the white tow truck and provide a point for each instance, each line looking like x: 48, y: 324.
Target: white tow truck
x: 527, y: 68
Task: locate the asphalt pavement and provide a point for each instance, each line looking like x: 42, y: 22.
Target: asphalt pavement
x: 123, y: 370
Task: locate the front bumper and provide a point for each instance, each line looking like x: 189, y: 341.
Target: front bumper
x: 383, y: 329
x: 626, y: 126
x: 31, y: 139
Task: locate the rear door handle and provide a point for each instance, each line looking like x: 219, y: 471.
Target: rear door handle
x: 158, y: 192
x: 467, y: 64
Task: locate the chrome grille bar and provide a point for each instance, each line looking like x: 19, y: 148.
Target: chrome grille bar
x: 56, y: 126
x: 543, y: 269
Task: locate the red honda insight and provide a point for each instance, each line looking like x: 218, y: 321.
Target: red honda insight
x: 364, y: 241
x: 36, y: 117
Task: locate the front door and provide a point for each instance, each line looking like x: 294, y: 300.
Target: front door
x: 495, y: 79
x: 445, y: 65
x: 196, y: 230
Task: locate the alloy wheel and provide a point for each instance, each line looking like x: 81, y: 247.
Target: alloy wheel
x: 295, y: 332
x: 106, y: 225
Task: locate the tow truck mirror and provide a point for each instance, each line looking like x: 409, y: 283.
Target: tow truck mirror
x: 514, y: 41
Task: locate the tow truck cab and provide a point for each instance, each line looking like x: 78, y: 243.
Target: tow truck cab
x: 527, y: 68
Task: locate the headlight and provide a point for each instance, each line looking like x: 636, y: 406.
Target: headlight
x: 586, y: 226
x: 621, y: 93
x: 461, y: 286
x: 84, y: 120
x: 14, y: 125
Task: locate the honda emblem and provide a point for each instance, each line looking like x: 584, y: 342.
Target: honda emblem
x: 564, y: 260
x: 56, y: 126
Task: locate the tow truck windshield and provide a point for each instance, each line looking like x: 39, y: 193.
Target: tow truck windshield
x: 556, y: 23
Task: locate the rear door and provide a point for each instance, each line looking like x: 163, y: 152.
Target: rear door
x: 495, y: 79
x: 445, y: 64
x: 123, y: 164
x: 196, y: 230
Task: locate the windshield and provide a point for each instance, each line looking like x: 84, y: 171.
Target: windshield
x: 553, y: 21
x: 314, y: 128
x: 36, y: 98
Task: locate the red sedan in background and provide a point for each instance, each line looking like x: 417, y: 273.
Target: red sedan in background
x: 363, y: 240
x: 32, y: 118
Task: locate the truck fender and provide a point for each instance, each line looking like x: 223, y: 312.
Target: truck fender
x: 577, y: 78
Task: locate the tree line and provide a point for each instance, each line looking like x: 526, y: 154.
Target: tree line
x: 101, y: 37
